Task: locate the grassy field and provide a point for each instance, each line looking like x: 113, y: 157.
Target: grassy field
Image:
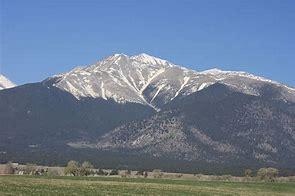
x: 32, y: 185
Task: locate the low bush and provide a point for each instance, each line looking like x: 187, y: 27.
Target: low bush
x: 157, y: 173
x: 267, y: 174
x: 114, y: 172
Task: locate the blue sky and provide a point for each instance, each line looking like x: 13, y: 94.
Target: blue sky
x: 42, y: 38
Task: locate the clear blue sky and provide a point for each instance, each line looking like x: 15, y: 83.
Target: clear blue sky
x: 40, y: 38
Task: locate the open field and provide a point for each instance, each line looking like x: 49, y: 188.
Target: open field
x: 32, y: 185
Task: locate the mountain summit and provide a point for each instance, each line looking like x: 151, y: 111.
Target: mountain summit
x: 148, y: 59
x: 152, y: 81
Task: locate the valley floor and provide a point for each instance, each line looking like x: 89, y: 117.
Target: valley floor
x: 35, y: 185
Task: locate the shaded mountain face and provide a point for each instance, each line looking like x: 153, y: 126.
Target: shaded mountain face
x: 42, y: 115
x: 143, y: 105
x: 5, y: 83
x: 216, y: 125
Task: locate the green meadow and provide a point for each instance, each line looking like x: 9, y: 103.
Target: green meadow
x: 35, y: 185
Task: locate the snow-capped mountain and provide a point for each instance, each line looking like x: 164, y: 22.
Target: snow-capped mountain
x: 148, y: 107
x: 152, y: 81
x: 5, y: 83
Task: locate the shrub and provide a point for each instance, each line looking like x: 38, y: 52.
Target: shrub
x: 86, y: 169
x: 30, y: 169
x: 126, y: 173
x: 225, y: 177
x: 101, y: 172
x: 139, y: 173
x: 267, y: 174
x: 157, y: 173
x: 72, y: 168
x: 248, y: 172
x: 114, y: 172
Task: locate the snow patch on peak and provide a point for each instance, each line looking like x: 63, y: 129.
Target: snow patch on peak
x: 214, y: 71
x: 5, y: 83
x: 115, y: 57
x: 119, y: 55
x: 109, y: 60
x: 185, y: 81
x: 148, y: 59
x: 217, y: 72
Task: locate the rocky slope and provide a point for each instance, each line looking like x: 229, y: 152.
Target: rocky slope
x: 218, y: 124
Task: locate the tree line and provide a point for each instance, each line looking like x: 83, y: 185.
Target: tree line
x: 74, y: 168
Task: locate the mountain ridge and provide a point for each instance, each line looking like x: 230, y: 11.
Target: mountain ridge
x: 150, y: 80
